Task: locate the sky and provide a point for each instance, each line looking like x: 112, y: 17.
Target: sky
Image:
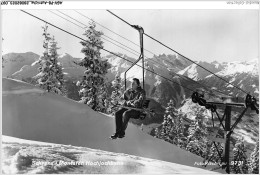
x: 201, y: 35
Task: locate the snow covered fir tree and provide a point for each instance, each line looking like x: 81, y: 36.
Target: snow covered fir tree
x: 212, y: 153
x: 177, y: 130
x: 172, y: 127
x: 197, y: 141
x: 116, y: 94
x: 2, y: 56
x: 50, y: 76
x: 203, y: 138
x: 239, y: 164
x: 254, y: 160
x: 164, y: 133
x: 93, y: 86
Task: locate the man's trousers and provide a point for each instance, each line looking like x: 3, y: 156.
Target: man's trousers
x: 122, y: 118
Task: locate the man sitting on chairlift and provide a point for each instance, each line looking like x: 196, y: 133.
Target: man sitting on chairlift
x: 134, y: 97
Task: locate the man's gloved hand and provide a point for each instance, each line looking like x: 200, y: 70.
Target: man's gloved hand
x: 128, y: 103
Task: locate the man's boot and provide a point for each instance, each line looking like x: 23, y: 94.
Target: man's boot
x: 121, y: 135
x: 114, y: 136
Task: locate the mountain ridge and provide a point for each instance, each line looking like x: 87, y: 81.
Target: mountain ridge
x: 173, y: 67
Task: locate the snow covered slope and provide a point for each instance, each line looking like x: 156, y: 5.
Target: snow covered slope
x: 25, y: 156
x: 48, y: 117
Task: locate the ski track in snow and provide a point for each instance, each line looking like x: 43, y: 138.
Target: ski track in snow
x: 24, y: 91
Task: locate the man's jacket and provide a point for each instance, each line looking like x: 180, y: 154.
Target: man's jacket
x: 136, y: 97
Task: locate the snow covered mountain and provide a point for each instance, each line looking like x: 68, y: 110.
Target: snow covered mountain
x: 244, y: 75
x: 197, y: 73
x: 16, y: 61
x: 70, y: 69
x: 161, y: 64
x: 33, y: 114
x: 156, y: 87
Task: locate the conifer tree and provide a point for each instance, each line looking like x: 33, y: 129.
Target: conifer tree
x: 254, y: 160
x: 172, y: 127
x: 116, y: 94
x: 197, y: 142
x: 177, y: 128
x: 213, y: 153
x: 93, y: 87
x: 171, y: 115
x: 167, y: 132
x: 193, y: 144
x: 166, y: 125
x: 178, y: 131
x: 2, y: 56
x: 58, y: 76
x: 50, y: 75
x: 171, y: 110
x: 240, y: 164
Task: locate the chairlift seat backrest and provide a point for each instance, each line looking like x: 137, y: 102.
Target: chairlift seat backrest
x: 146, y: 104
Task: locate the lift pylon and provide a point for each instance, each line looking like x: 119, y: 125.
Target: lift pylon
x: 250, y: 102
